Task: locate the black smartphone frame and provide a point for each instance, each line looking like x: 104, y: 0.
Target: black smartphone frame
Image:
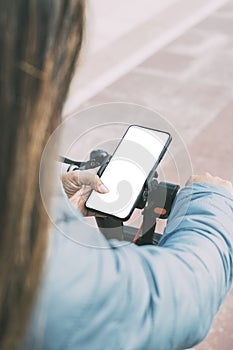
x: 104, y: 166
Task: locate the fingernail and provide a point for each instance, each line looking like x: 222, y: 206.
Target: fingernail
x: 102, y: 188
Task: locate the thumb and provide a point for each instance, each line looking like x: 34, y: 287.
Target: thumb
x: 100, y: 187
x: 92, y: 180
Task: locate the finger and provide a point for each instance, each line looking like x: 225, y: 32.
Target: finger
x: 190, y: 180
x: 73, y: 181
x: 70, y: 182
x: 207, y: 174
x: 199, y: 178
x: 92, y: 180
x: 215, y: 180
x: 78, y: 203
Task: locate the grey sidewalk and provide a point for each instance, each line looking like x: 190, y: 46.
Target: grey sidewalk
x: 189, y: 81
x: 128, y: 34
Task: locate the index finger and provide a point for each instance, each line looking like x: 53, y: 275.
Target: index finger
x: 89, y: 179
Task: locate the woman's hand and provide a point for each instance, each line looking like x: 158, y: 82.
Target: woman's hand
x: 215, y: 180
x: 78, y: 185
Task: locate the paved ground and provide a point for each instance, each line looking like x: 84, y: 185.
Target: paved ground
x: 123, y: 34
x: 191, y: 82
x: 118, y: 18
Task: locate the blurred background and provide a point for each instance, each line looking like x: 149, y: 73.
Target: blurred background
x: 174, y: 56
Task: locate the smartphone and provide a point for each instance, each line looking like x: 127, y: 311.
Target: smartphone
x: 135, y: 158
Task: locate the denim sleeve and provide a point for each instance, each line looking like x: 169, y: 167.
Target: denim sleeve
x: 130, y: 297
x: 191, y: 270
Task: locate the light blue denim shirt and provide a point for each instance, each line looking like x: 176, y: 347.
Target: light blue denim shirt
x: 129, y: 297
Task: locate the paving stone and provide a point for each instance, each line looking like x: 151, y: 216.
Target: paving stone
x: 228, y: 7
x: 197, y: 42
x: 168, y: 62
x: 140, y: 88
x: 182, y: 73
x: 189, y: 106
x: 219, y: 69
x: 213, y: 147
x: 217, y: 25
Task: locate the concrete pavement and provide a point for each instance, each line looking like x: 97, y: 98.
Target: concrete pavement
x: 126, y: 36
x: 188, y: 81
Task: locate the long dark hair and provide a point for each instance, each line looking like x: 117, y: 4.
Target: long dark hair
x: 39, y: 44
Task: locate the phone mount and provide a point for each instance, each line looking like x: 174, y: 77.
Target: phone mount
x: 156, y: 201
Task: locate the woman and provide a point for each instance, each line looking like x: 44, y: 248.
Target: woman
x: 40, y: 42
x: 126, y: 298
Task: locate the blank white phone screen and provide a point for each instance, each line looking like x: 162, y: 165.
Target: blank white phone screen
x: 127, y: 171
